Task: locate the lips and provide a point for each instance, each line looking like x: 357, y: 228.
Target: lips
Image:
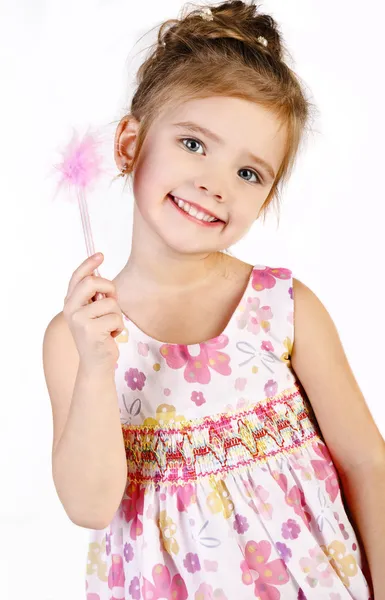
x: 198, y: 207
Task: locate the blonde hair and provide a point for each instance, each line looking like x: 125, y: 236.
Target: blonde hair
x: 198, y: 58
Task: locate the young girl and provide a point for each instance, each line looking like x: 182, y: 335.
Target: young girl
x: 207, y: 426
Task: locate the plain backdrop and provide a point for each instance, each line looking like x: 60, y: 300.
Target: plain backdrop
x: 70, y: 64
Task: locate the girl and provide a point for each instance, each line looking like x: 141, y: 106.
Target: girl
x: 207, y: 427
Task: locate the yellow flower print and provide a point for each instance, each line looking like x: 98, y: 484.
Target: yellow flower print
x: 167, y: 531
x: 95, y: 562
x: 122, y: 338
x: 344, y: 564
x: 285, y: 357
x: 165, y: 415
x: 219, y: 499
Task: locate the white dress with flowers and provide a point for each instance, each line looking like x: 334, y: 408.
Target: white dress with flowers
x: 231, y: 492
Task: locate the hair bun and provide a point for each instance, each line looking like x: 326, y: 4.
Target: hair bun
x: 243, y: 22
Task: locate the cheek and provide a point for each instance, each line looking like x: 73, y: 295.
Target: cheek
x: 244, y: 212
x: 147, y: 182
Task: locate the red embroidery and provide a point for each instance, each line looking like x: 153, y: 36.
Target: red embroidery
x: 217, y: 444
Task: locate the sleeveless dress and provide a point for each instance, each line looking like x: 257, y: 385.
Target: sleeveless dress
x: 231, y: 491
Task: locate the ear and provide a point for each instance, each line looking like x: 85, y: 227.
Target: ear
x: 125, y: 140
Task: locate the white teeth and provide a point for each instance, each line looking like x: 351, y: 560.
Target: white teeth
x: 191, y: 210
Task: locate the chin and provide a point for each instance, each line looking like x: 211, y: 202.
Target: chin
x: 182, y: 244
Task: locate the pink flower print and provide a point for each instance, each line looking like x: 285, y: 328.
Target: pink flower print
x: 116, y: 577
x: 266, y: 278
x: 299, y: 463
x: 342, y: 527
x: 240, y: 383
x: 267, y: 346
x: 334, y: 596
x: 185, y: 495
x: 132, y: 509
x: 150, y: 512
x: 197, y: 367
x: 240, y: 404
x: 258, y: 503
x: 198, y: 398
x: 210, y: 566
x: 317, y: 568
x: 164, y: 587
x: 253, y: 317
x: 271, y: 388
x: 240, y: 524
x: 134, y: 588
x: 135, y: 379
x: 325, y: 471
x: 143, y: 349
x: 290, y: 529
x: 295, y: 498
x: 269, y: 574
x: 191, y: 562
x: 206, y: 592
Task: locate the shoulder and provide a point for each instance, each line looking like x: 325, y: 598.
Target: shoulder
x: 316, y: 342
x: 314, y: 328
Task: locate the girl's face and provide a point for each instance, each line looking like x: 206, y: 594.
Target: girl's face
x: 219, y: 175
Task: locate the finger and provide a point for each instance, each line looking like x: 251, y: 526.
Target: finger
x: 87, y: 267
x: 86, y: 289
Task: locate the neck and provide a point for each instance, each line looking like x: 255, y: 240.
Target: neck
x: 158, y: 269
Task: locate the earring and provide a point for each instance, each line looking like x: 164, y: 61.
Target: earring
x: 123, y: 170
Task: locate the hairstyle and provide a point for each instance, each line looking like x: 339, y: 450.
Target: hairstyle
x: 198, y: 58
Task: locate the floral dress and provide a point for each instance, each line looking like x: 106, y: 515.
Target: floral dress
x: 231, y: 492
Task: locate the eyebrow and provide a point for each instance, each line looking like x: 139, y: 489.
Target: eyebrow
x: 210, y: 134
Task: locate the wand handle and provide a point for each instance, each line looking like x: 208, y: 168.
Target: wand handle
x: 90, y: 248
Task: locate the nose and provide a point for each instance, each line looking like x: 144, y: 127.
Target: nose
x: 208, y: 190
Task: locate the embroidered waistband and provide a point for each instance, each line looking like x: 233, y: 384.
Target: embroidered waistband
x: 216, y: 445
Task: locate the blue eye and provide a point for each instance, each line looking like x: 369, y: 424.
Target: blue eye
x: 259, y: 179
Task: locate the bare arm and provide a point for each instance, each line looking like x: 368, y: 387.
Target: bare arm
x: 364, y: 489
x: 354, y: 441
x: 88, y: 456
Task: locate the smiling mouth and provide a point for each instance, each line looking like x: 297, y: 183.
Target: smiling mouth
x: 193, y: 213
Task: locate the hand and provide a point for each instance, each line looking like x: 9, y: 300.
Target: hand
x: 93, y: 323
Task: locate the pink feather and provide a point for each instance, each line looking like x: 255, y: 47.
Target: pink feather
x: 82, y: 163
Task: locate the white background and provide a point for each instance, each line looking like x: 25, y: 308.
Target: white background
x: 67, y: 64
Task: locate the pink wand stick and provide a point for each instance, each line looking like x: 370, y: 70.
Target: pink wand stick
x: 90, y: 248
x: 80, y: 168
